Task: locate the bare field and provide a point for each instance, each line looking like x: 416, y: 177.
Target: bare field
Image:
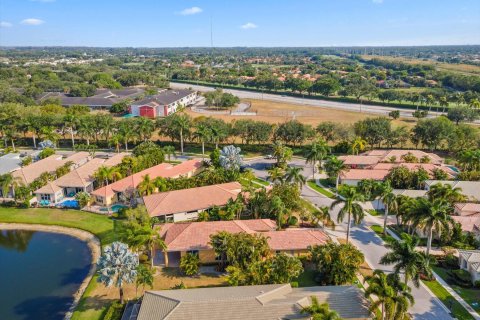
x: 278, y: 112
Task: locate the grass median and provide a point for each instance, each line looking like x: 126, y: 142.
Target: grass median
x: 312, y: 184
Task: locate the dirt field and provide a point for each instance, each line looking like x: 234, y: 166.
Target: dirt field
x: 278, y: 112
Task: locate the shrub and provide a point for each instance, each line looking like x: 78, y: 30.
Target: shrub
x: 462, y: 275
x: 114, y: 312
x: 477, y: 284
x: 143, y: 258
x: 181, y: 285
x: 450, y: 261
x: 189, y: 264
x: 26, y: 161
x: 47, y: 152
x: 292, y: 221
x: 294, y: 284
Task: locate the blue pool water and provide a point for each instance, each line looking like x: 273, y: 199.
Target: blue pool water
x: 454, y: 168
x: 117, y: 207
x: 69, y: 204
x: 129, y: 115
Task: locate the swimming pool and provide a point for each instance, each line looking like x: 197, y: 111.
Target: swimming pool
x: 69, y: 204
x: 117, y: 207
x: 454, y: 169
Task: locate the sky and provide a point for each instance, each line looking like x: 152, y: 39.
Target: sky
x: 254, y: 23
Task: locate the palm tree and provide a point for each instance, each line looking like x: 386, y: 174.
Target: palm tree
x: 316, y: 153
x: 202, y: 133
x: 430, y: 215
x: 144, y: 278
x: 127, y: 132
x: 182, y: 124
x: 334, y: 168
x: 117, y: 266
x: 70, y: 122
x: 350, y: 201
x: 319, y: 311
x: 276, y: 174
x: 116, y: 140
x: 106, y: 174
x: 392, y: 295
x: 169, y: 151
x: 322, y: 214
x: 446, y: 192
x: 85, y: 129
x: 358, y: 145
x: 294, y: 175
x: 282, y: 154
x: 144, y: 127
x: 389, y: 200
x: 277, y: 207
x: 9, y: 182
x: 147, y: 186
x: 406, y: 259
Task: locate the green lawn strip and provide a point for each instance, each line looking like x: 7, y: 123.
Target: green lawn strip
x: 448, y: 300
x: 379, y: 231
x: 321, y: 190
x: 470, y: 295
x: 100, y: 225
x: 84, y: 309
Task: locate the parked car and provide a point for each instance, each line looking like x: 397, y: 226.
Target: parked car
x: 268, y: 157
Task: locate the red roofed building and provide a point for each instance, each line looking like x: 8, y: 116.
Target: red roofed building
x: 182, y: 238
x: 183, y: 205
x: 114, y: 192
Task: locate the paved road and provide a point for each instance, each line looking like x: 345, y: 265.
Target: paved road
x: 427, y: 306
x: 356, y: 107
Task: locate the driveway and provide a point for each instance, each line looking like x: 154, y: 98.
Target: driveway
x: 426, y: 306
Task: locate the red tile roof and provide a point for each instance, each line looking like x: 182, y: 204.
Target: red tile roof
x: 164, y: 170
x: 359, y: 174
x: 188, y: 200
x: 196, y: 235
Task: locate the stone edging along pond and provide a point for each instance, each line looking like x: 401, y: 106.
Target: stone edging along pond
x: 91, y: 240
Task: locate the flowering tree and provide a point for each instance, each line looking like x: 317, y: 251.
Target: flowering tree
x: 117, y: 266
x: 230, y: 158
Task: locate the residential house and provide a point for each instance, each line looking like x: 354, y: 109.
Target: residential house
x: 182, y: 238
x: 369, y: 159
x: 469, y: 188
x: 182, y: 205
x: 78, y: 180
x: 468, y: 216
x: 163, y: 104
x: 118, y: 191
x: 261, y: 302
x: 470, y: 260
x: 353, y: 176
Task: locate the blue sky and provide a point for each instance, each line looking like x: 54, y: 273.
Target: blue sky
x: 150, y: 23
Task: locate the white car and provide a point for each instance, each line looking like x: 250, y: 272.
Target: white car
x: 268, y: 157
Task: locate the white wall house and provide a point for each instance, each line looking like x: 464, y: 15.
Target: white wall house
x: 470, y: 260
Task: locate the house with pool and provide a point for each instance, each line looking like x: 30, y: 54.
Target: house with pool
x: 80, y: 179
x: 123, y: 190
x: 194, y: 237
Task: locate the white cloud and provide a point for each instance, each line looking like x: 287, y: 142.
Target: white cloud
x: 32, y: 22
x: 5, y: 24
x: 377, y: 1
x: 249, y: 25
x: 190, y: 11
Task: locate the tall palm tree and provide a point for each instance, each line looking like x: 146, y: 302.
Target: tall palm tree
x: 70, y: 122
x: 316, y: 153
x: 276, y: 174
x: 182, y: 123
x: 358, y: 145
x: 389, y: 200
x: 350, y: 201
x: 202, y: 133
x: 127, y: 132
x: 117, y: 266
x: 392, y: 295
x: 322, y: 214
x: 446, y: 192
x: 144, y: 278
x: 147, y: 186
x: 294, y: 175
x: 85, y: 129
x: 106, y: 174
x: 9, y: 182
x: 406, y: 259
x: 432, y: 215
x: 169, y: 151
x: 116, y: 140
x: 319, y: 311
x: 144, y: 127
x: 334, y: 168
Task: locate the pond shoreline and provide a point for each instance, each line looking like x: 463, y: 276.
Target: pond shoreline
x: 91, y: 240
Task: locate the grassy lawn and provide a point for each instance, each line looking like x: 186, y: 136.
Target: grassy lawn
x: 321, y: 190
x: 470, y: 295
x: 447, y: 299
x: 100, y: 225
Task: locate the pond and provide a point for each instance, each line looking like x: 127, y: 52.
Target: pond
x: 39, y: 273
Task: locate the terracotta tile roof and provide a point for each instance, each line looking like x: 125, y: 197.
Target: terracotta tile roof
x: 49, y: 188
x: 360, y: 174
x: 386, y: 155
x: 164, y: 170
x: 467, y: 209
x: 295, y: 239
x: 360, y: 160
x: 31, y: 172
x: 429, y: 167
x: 468, y: 223
x: 188, y: 200
x: 196, y: 235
